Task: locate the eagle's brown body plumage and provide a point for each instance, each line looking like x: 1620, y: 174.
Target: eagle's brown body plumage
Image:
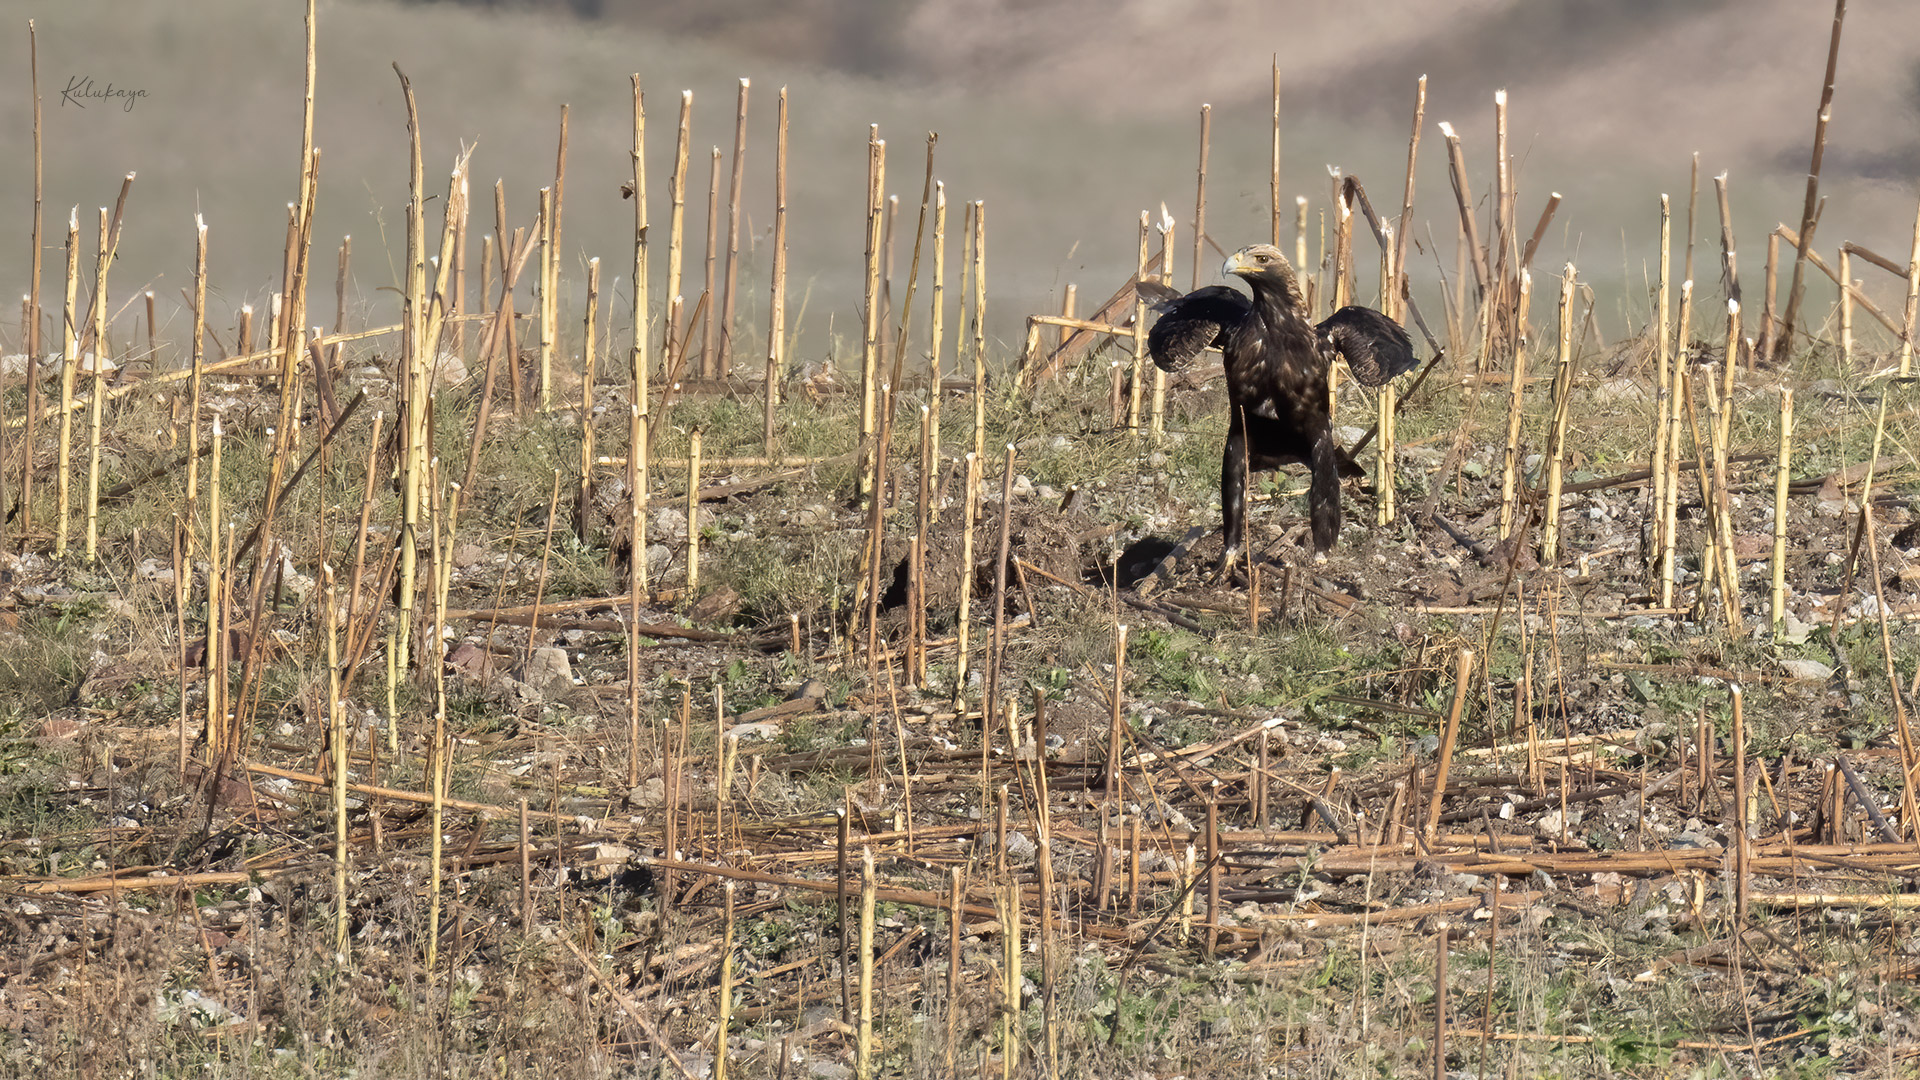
x: 1276, y: 364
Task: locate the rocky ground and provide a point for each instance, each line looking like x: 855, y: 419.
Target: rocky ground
x: 1269, y: 870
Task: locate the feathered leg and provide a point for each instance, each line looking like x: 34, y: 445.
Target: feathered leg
x: 1323, y: 497
x: 1233, y: 489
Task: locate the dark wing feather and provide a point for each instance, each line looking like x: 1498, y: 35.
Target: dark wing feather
x: 1190, y: 323
x: 1156, y: 294
x: 1376, y: 347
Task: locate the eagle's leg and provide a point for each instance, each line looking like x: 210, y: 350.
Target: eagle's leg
x: 1233, y: 493
x: 1323, y: 496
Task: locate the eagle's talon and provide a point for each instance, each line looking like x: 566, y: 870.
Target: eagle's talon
x: 1223, y: 572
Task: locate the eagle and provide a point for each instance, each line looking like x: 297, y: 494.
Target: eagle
x: 1276, y: 363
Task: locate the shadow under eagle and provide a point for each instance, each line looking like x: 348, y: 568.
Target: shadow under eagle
x: 1276, y: 364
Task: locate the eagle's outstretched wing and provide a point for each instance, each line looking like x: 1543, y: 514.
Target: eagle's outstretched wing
x: 1376, y: 347
x: 1190, y: 323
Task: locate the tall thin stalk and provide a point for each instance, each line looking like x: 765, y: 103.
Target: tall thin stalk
x: 1273, y: 182
x: 637, y: 352
x: 1200, y: 195
x: 677, y: 219
x: 550, y: 286
x: 69, y: 367
x: 997, y: 647
x: 733, y: 232
x: 979, y: 325
x: 1516, y: 405
x: 1663, y: 366
x: 1137, y: 372
x: 870, y: 311
x: 937, y: 330
x: 337, y: 743
x: 777, y: 295
x: 1781, y: 479
x: 709, y: 342
x: 1463, y: 198
x: 216, y: 650
x: 1670, y: 513
x: 863, y: 1046
x: 543, y: 300
x: 1562, y: 408
x: 1809, y: 214
x: 1406, y: 204
x: 588, y: 374
x: 32, y: 343
x: 693, y: 511
x: 1729, y: 260
x: 1913, y: 300
x: 415, y: 377
x: 103, y: 260
x: 969, y: 512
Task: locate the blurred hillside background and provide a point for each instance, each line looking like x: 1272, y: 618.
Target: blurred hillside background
x: 1068, y: 117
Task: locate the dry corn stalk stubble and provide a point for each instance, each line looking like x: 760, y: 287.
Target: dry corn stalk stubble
x: 743, y: 847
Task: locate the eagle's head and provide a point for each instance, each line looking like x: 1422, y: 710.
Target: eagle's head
x: 1263, y: 264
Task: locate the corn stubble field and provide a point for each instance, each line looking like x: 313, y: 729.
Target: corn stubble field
x: 362, y: 715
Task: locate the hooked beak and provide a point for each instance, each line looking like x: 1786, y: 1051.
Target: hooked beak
x: 1234, y: 265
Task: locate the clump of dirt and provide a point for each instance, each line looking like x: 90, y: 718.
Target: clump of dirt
x: 1056, y: 541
